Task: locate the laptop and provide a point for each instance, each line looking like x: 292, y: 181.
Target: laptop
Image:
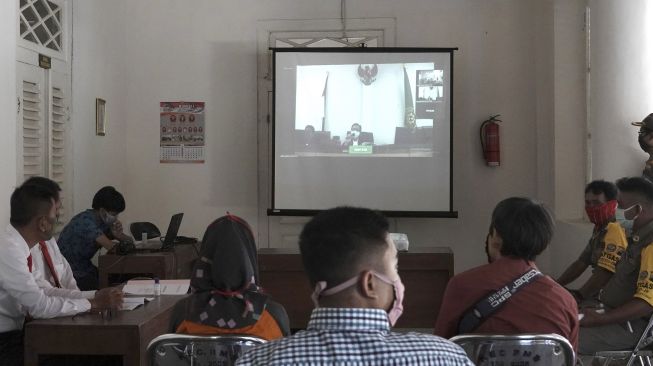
x: 168, y: 241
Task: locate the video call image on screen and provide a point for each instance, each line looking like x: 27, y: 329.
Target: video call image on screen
x: 368, y: 109
x: 362, y: 127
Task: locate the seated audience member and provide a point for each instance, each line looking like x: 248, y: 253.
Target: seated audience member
x: 606, y: 245
x: 356, y: 137
x: 49, y: 267
x: 352, y: 265
x: 519, y: 231
x: 645, y: 139
x: 226, y: 297
x: 628, y: 295
x: 90, y: 230
x: 33, y: 218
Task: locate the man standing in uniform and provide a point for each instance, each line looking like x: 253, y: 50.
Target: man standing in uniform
x: 645, y: 139
x: 628, y: 295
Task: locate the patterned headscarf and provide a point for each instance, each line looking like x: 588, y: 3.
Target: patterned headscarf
x: 225, y: 293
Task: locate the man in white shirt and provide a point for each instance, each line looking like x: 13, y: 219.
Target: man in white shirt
x: 33, y: 218
x: 49, y: 267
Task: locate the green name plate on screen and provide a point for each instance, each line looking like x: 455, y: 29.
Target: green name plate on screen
x: 360, y: 149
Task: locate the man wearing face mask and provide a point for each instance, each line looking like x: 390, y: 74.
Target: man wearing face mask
x: 352, y: 265
x: 628, y: 296
x: 645, y: 140
x: 520, y: 230
x: 91, y: 230
x: 356, y: 137
x: 606, y: 245
x: 33, y: 218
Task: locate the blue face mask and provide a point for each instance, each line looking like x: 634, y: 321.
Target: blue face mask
x: 620, y: 217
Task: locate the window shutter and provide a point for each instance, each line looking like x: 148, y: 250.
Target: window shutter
x: 32, y: 130
x: 58, y: 145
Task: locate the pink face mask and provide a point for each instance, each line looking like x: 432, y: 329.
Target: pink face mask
x: 397, y: 305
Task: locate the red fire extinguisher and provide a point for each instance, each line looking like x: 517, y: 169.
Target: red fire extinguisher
x: 490, y: 141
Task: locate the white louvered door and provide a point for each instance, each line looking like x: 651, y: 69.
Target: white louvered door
x: 31, y: 126
x: 43, y: 129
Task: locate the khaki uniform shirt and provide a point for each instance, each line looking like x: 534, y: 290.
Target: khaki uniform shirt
x: 634, y: 272
x: 605, y: 247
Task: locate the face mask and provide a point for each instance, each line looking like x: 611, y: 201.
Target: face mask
x: 620, y: 217
x: 110, y: 219
x: 397, y: 305
x: 601, y: 214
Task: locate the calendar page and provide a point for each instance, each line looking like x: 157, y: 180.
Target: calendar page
x: 182, y: 132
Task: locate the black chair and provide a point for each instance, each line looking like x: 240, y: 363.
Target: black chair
x: 138, y: 228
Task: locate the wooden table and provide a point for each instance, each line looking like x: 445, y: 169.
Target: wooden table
x: 127, y: 333
x: 177, y: 263
x: 425, y: 273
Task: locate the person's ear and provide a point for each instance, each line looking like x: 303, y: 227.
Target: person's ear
x: 367, y: 285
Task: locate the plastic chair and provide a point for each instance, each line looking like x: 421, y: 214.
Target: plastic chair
x: 184, y: 349
x: 645, y: 357
x: 518, y: 349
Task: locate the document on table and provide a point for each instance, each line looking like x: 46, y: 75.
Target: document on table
x: 146, y: 287
x: 131, y: 303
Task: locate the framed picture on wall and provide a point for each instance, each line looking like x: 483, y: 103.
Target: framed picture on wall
x: 100, y: 116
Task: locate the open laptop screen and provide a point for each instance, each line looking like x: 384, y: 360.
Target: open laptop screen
x: 173, y: 229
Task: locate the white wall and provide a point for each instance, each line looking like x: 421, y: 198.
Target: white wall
x: 8, y: 29
x: 622, y: 84
x: 522, y: 59
x: 98, y: 71
x: 207, y: 52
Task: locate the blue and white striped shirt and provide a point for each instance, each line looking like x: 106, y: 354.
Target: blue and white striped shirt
x: 355, y: 337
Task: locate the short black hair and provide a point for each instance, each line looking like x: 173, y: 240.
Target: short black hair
x: 109, y: 199
x: 337, y: 241
x: 637, y: 185
x: 28, y: 202
x: 45, y: 183
x: 597, y: 187
x: 524, y: 225
x: 356, y: 124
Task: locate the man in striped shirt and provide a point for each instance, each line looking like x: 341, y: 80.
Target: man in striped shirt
x: 352, y: 264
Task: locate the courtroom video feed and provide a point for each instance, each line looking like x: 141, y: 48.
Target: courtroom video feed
x: 369, y: 109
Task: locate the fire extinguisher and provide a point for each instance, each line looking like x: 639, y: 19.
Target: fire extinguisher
x: 490, y: 141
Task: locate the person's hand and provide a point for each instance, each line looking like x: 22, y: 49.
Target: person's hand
x: 116, y: 229
x: 107, y: 298
x: 591, y: 317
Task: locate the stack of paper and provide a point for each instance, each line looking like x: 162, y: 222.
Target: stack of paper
x: 146, y: 287
x: 131, y: 303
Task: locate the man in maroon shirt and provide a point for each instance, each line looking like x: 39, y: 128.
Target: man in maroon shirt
x: 520, y: 230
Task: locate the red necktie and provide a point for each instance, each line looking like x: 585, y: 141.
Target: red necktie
x: 29, y: 263
x: 48, y: 260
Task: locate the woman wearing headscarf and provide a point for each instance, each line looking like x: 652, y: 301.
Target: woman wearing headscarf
x: 226, y: 298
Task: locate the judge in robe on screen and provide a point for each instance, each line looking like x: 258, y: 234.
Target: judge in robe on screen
x: 356, y: 137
